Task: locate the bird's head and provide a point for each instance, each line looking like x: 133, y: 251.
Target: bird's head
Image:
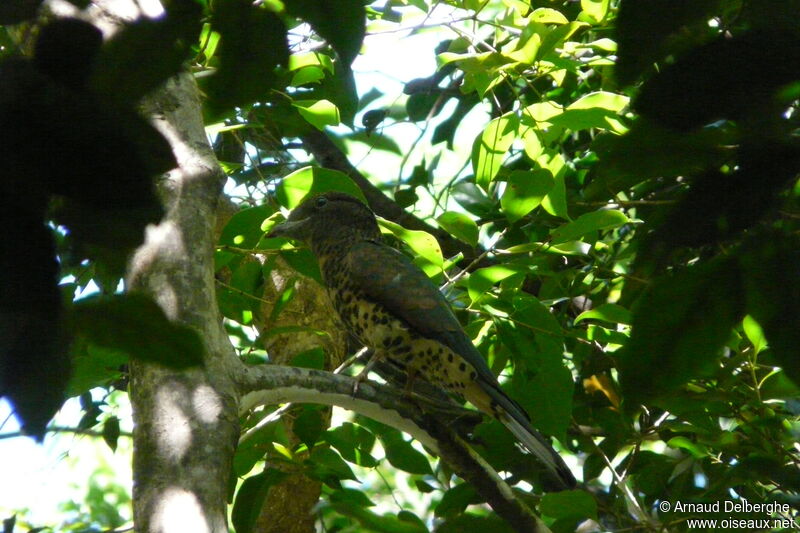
x: 329, y: 218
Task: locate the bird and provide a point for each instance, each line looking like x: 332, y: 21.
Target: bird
x: 391, y: 306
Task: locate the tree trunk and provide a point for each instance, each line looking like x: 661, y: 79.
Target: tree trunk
x: 186, y: 422
x: 289, y: 504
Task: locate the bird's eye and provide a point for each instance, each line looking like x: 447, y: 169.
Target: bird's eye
x: 321, y: 201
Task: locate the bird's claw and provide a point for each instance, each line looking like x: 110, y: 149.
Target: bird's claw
x: 360, y: 378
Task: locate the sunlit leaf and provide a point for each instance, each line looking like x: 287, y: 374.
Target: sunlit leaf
x: 314, y: 180
x: 587, y: 223
x: 595, y: 10
x: 754, y: 333
x: 525, y: 190
x: 460, y: 226
x: 607, y: 312
x: 319, y: 113
x: 546, y: 15
x: 489, y: 150
x: 421, y: 242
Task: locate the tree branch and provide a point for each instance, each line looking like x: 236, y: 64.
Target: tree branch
x: 431, y: 422
x: 330, y: 156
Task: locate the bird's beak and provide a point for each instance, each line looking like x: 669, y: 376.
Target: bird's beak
x: 292, y: 229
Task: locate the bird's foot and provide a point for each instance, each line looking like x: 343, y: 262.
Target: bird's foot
x: 362, y: 376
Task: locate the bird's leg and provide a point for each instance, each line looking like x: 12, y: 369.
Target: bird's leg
x: 362, y: 376
x: 408, y: 388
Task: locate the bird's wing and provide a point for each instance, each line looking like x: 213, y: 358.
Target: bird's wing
x: 389, y: 278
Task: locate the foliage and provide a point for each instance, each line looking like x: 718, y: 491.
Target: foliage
x: 630, y: 203
x: 79, y: 95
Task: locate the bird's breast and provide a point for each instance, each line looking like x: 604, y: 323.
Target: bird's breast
x: 375, y: 327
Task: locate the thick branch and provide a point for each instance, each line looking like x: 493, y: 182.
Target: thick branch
x: 478, y: 473
x: 429, y: 421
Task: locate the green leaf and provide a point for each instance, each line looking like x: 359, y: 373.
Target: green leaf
x: 313, y: 358
x: 546, y: 15
x: 594, y: 221
x: 111, y: 432
x: 314, y: 180
x: 484, y: 279
x: 354, y: 443
x: 595, y: 10
x: 541, y: 383
x: 406, y: 197
x: 525, y: 191
x: 341, y: 23
x: 754, y: 333
x: 424, y: 245
x: 319, y: 113
x: 250, y: 499
x: 327, y: 463
x: 248, y: 279
x: 697, y: 450
x: 251, y: 450
x: 608, y: 312
x: 401, y: 454
x: 459, y: 226
x: 456, y: 500
x: 370, y: 521
x: 595, y: 110
x: 351, y: 496
x: 135, y: 325
x: 490, y: 147
x: 303, y: 60
x: 244, y: 229
x: 574, y: 504
x: 307, y: 76
x: 303, y: 261
x: 308, y: 426
x: 93, y: 366
x: 556, y: 37
x: 472, y: 198
x: 555, y: 202
x: 419, y: 105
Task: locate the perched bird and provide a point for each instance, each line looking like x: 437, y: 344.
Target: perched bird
x: 391, y: 306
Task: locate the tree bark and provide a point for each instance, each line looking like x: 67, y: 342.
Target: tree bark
x: 288, y: 507
x: 186, y: 422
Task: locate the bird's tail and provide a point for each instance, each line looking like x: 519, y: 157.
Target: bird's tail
x: 490, y: 398
x: 535, y: 443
